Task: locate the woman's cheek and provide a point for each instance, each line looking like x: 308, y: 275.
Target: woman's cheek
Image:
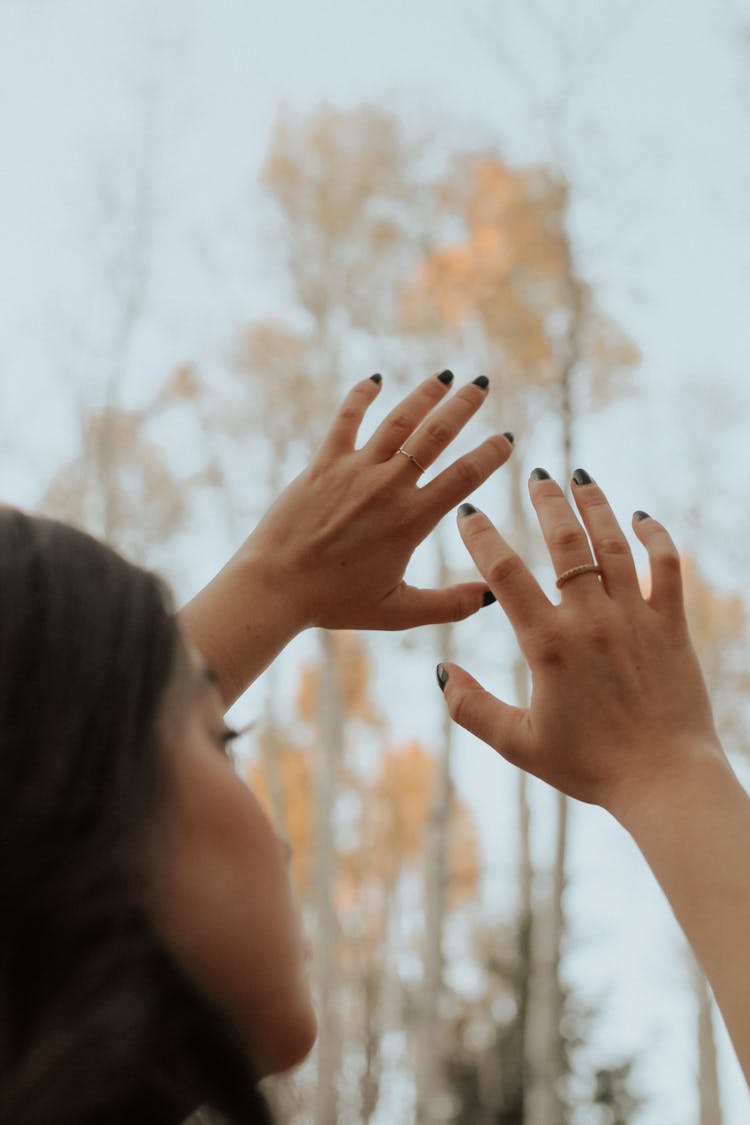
x: 229, y: 914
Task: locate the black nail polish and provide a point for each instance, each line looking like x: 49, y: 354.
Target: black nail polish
x: 540, y: 474
x: 446, y: 377
x: 377, y: 378
x: 466, y: 510
x: 481, y: 381
x: 442, y: 676
x: 510, y: 437
x: 580, y: 476
x: 488, y: 598
x: 641, y: 516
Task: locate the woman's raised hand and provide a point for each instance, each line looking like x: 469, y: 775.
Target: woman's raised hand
x: 618, y: 705
x: 619, y: 716
x: 337, y: 542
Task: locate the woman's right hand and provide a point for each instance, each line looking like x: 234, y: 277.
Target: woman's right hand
x: 620, y: 717
x: 619, y: 707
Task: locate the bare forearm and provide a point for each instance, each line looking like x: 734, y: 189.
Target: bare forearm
x: 696, y: 841
x: 240, y: 622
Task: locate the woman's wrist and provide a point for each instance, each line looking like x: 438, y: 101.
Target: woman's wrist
x: 242, y: 619
x: 677, y: 785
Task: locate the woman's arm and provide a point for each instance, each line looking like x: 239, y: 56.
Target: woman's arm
x: 333, y: 549
x: 695, y: 837
x: 620, y: 717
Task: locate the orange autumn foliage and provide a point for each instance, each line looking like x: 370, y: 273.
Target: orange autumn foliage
x: 508, y: 274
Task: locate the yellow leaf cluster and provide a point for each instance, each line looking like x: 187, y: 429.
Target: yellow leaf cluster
x: 353, y: 672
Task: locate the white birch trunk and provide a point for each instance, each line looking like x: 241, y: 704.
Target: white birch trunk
x: 709, y: 1094
x: 330, y: 750
x: 428, y: 1069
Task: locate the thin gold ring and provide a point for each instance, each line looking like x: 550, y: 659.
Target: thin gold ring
x: 575, y: 571
x: 413, y: 460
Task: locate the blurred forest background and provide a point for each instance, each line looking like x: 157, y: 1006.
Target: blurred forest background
x: 215, y: 219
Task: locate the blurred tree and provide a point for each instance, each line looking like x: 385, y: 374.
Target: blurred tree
x: 340, y: 183
x: 491, y: 274
x: 343, y: 184
x: 141, y: 499
x: 612, y: 1091
x: 719, y: 626
x: 125, y: 246
x: 567, y: 47
x: 486, y: 1063
x: 381, y: 813
x: 279, y: 414
x: 720, y: 629
x: 508, y: 286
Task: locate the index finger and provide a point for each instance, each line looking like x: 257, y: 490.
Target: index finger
x: 517, y: 591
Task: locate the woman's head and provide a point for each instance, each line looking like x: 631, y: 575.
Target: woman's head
x: 107, y: 996
x: 223, y: 899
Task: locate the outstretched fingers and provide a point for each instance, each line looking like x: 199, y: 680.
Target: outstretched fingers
x: 500, y: 725
x: 664, y: 559
x: 613, y: 552
x: 566, y: 540
x: 465, y: 475
x: 519, y: 594
x: 342, y: 435
x: 401, y: 423
x: 444, y: 423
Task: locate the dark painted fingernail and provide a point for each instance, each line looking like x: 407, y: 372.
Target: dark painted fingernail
x: 540, y: 474
x: 377, y: 378
x: 580, y: 476
x: 446, y: 377
x: 488, y: 598
x: 509, y: 436
x: 442, y: 676
x: 466, y: 510
x: 481, y: 381
x: 641, y: 515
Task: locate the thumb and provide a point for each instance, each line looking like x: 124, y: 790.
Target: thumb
x: 434, y: 607
x: 500, y: 725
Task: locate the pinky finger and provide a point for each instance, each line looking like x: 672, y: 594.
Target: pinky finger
x: 343, y: 433
x: 500, y: 725
x: 664, y: 559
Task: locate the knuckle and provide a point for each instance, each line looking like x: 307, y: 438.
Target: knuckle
x: 498, y: 446
x: 438, y: 432
x: 614, y: 546
x: 593, y: 498
x: 350, y: 412
x: 548, y: 646
x: 546, y: 490
x: 468, y: 473
x: 469, y: 396
x: 461, y: 608
x: 503, y: 569
x: 667, y: 560
x: 461, y: 706
x: 598, y: 633
x: 401, y: 423
x: 566, y: 536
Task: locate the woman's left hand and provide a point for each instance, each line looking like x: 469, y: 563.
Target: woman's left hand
x: 338, y: 540
x: 333, y: 549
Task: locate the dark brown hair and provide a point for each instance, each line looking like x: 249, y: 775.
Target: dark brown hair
x: 97, y: 1023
